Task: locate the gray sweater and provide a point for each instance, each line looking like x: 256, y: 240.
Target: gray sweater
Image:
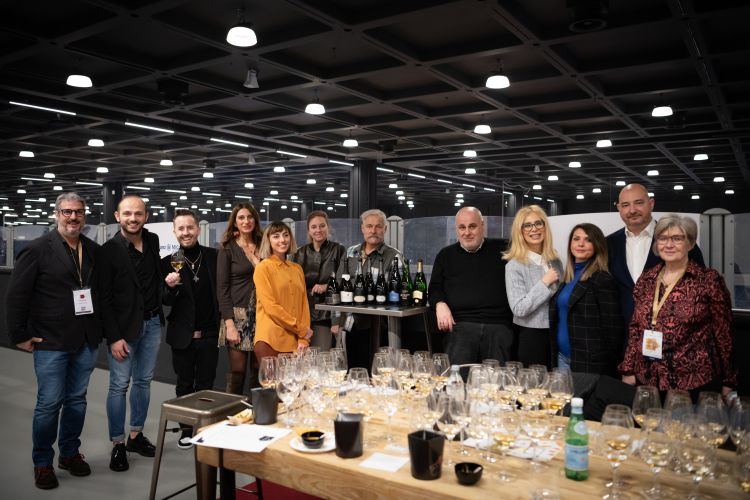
x: 528, y: 297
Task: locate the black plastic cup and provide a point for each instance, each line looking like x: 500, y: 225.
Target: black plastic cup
x: 348, y: 430
x: 426, y: 454
x: 265, y: 405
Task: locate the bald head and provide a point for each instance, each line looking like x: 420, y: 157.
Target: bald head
x: 470, y: 228
x: 635, y: 207
x: 130, y: 200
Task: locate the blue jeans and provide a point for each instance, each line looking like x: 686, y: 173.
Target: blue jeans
x: 62, y: 381
x: 139, y: 365
x: 563, y: 361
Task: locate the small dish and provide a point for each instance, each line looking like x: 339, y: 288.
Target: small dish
x: 328, y: 445
x: 313, y: 439
x: 468, y: 473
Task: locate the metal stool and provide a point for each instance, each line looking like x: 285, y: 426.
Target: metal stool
x: 198, y: 410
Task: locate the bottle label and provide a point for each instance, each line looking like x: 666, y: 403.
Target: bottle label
x: 347, y: 296
x: 393, y: 297
x: 359, y: 299
x: 370, y: 298
x: 580, y: 428
x: 417, y: 294
x: 335, y: 299
x: 576, y: 457
x: 380, y: 299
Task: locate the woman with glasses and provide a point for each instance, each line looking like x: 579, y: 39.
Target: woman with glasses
x: 585, y: 316
x: 681, y: 333
x: 531, y: 278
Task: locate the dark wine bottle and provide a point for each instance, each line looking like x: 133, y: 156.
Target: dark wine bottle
x: 333, y: 295
x: 381, y: 289
x: 404, y: 291
x: 360, y: 294
x: 394, y: 283
x: 347, y: 291
x: 419, y: 293
x: 369, y: 287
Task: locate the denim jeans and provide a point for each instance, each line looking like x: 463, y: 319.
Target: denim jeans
x: 563, y: 361
x: 139, y: 364
x: 62, y: 380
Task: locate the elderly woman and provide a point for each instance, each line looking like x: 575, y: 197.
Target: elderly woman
x: 319, y: 258
x: 282, y: 316
x: 235, y: 292
x: 681, y: 333
x: 585, y: 316
x: 531, y: 277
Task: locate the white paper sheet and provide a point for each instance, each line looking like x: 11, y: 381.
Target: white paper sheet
x: 388, y: 463
x: 246, y: 437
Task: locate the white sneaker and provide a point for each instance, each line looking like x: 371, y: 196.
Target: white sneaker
x: 184, y: 442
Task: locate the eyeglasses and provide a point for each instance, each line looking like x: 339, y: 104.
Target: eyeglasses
x: 676, y: 239
x: 528, y: 226
x: 67, y: 212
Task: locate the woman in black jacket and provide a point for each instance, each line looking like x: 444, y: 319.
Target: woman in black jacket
x: 585, y: 316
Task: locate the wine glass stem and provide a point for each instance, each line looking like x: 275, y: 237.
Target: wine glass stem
x: 615, y: 468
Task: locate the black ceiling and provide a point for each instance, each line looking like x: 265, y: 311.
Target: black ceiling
x: 404, y: 78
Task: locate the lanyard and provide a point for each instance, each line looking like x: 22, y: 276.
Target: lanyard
x: 79, y: 261
x: 658, y: 304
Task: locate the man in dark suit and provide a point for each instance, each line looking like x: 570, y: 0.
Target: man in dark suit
x: 193, y: 321
x: 630, y: 248
x: 131, y: 310
x: 53, y: 312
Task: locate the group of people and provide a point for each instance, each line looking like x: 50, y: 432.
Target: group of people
x: 638, y: 304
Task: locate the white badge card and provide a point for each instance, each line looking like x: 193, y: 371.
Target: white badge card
x: 652, y: 344
x: 82, y: 303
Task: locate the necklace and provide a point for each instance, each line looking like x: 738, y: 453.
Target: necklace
x: 192, y: 265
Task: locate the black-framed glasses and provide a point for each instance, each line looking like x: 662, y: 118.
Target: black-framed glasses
x: 528, y: 226
x: 67, y: 212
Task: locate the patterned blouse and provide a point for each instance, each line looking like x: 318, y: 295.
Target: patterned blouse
x: 696, y: 321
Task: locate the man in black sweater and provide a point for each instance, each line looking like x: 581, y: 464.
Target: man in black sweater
x: 467, y: 289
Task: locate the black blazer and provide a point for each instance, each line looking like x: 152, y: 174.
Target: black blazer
x: 618, y: 266
x: 594, y: 325
x: 122, y: 300
x: 181, y: 317
x: 40, y: 295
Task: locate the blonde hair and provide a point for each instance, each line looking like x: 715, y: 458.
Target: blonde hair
x: 519, y: 250
x: 598, y: 261
x: 265, y: 251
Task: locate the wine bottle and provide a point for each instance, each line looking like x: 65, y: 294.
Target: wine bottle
x: 404, y: 292
x: 419, y: 292
x: 576, y: 443
x: 347, y: 291
x: 394, y: 283
x: 369, y: 287
x: 360, y: 294
x: 333, y: 295
x: 381, y: 289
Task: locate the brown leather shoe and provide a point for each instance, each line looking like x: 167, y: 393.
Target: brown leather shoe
x: 45, y: 478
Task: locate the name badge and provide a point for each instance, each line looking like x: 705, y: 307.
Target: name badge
x: 652, y: 344
x: 82, y: 303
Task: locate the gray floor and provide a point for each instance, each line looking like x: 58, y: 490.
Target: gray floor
x: 17, y: 400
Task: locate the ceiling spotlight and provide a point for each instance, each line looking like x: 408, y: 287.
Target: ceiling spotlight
x: 661, y: 111
x: 57, y: 188
x: 279, y: 169
x: 195, y: 188
x: 330, y: 189
x: 49, y: 175
x: 470, y: 170
x: 678, y: 187
x: 536, y: 187
x: 249, y: 185
x: 273, y: 192
x: 482, y: 128
x: 81, y: 81
x: 393, y: 186
x: 620, y: 183
x: 719, y: 179
x: 251, y: 80
x: 574, y: 164
x: 652, y: 173
x: 315, y: 108
x: 497, y: 80
x: 242, y: 34
x: 695, y: 197
x: 102, y: 170
x: 596, y: 190
x: 96, y: 143
x: 729, y: 191
x: 399, y: 192
x: 700, y: 157
x: 26, y: 154
x: 350, y: 143
x: 603, y: 143
x: 208, y: 175
x: 149, y: 180
x: 21, y: 191
x: 344, y: 195
x: 470, y: 153
x: 166, y: 162
x: 579, y: 197
x: 650, y: 194
x: 311, y: 181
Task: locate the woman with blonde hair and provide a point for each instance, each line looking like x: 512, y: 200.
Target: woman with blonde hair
x: 282, y: 315
x: 585, y: 316
x: 531, y: 277
x: 235, y: 292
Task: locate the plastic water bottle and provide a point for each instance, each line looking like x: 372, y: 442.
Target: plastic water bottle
x: 576, y: 443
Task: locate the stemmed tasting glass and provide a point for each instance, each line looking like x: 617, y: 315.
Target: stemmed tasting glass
x: 504, y: 433
x: 569, y: 377
x: 448, y: 423
x: 433, y: 411
x: 177, y: 260
x: 382, y: 367
x: 389, y: 398
x: 742, y: 465
x: 442, y: 366
x: 480, y: 428
x: 404, y: 373
x: 491, y: 363
x: 338, y: 357
x: 646, y: 397
x: 476, y: 383
x: 536, y: 425
x: 541, y: 372
x: 529, y: 380
x: 656, y: 451
x: 288, y: 387
x: 509, y: 387
x: 699, y: 459
x: 616, y: 429
x: 358, y: 376
x: 423, y: 371
x: 712, y: 409
x: 515, y: 366
x: 556, y: 388
x: 267, y: 371
x: 739, y: 420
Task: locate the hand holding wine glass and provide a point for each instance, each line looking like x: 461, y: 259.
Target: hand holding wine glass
x: 177, y: 260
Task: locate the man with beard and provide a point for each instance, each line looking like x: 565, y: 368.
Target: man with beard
x: 53, y: 312
x: 131, y: 310
x: 193, y: 321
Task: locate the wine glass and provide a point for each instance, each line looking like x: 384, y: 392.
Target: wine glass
x: 541, y: 372
x: 442, y: 366
x: 616, y: 430
x: 389, y: 398
x: 742, y: 466
x: 515, y: 366
x: 739, y: 419
x: 646, y: 397
x: 449, y: 408
x: 509, y: 387
x: 529, y: 380
x: 267, y: 371
x: 699, y: 459
x: 287, y: 388
x: 655, y: 419
x: 491, y: 363
x: 382, y: 367
x: 504, y: 433
x: 177, y: 260
x: 556, y: 390
x: 712, y: 409
x: 656, y: 451
x: 338, y: 357
x: 480, y: 428
x: 569, y: 377
x: 476, y: 383
x: 433, y: 411
x: 358, y: 376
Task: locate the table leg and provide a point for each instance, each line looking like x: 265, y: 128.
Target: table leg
x: 427, y: 332
x: 228, y: 486
x: 394, y: 333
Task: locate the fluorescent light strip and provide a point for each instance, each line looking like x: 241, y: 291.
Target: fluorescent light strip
x: 178, y: 191
x: 468, y: 185
x: 142, y: 188
x: 340, y: 204
x: 490, y: 190
x: 35, y: 179
x: 243, y: 197
x: 149, y: 127
x: 230, y: 142
x: 319, y: 203
x: 210, y: 194
x: 42, y: 108
x: 382, y: 170
x: 271, y: 199
x: 416, y: 175
x: 444, y: 181
x: 341, y: 163
x: 89, y: 183
x: 282, y: 152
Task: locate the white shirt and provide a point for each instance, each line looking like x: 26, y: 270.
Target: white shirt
x: 535, y: 258
x: 637, y: 249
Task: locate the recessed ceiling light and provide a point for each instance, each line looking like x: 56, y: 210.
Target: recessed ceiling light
x: 700, y: 157
x: 470, y: 170
x: 350, y: 143
x: 343, y: 195
x: 96, y: 143
x: 166, y: 162
x: 393, y: 186
x: 574, y: 164
x: 678, y: 187
x: 26, y: 154
x: 149, y: 180
x: 650, y: 194
x: 652, y: 173
x: 497, y: 81
x: 620, y: 183
x: 102, y: 170
x: 596, y: 190
x: 482, y: 129
x: 311, y: 181
x: 21, y: 191
x: 81, y: 81
x: 273, y: 192
x: 536, y: 187
x: 729, y: 191
x: 49, y: 175
x: 661, y: 111
x: 399, y: 192
x: 57, y: 188
x: 719, y: 179
x: 695, y: 197
x: 459, y: 195
x: 330, y: 189
x: 249, y: 185
x: 402, y: 198
x: 208, y: 175
x: 579, y: 197
x: 603, y: 143
x: 552, y: 178
x: 279, y: 169
x: 470, y: 153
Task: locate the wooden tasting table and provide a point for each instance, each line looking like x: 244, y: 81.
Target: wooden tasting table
x: 328, y: 476
x: 380, y: 311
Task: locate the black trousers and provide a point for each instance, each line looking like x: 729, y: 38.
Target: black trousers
x: 534, y: 346
x: 195, y: 366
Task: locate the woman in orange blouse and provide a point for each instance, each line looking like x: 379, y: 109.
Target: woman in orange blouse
x: 282, y: 316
